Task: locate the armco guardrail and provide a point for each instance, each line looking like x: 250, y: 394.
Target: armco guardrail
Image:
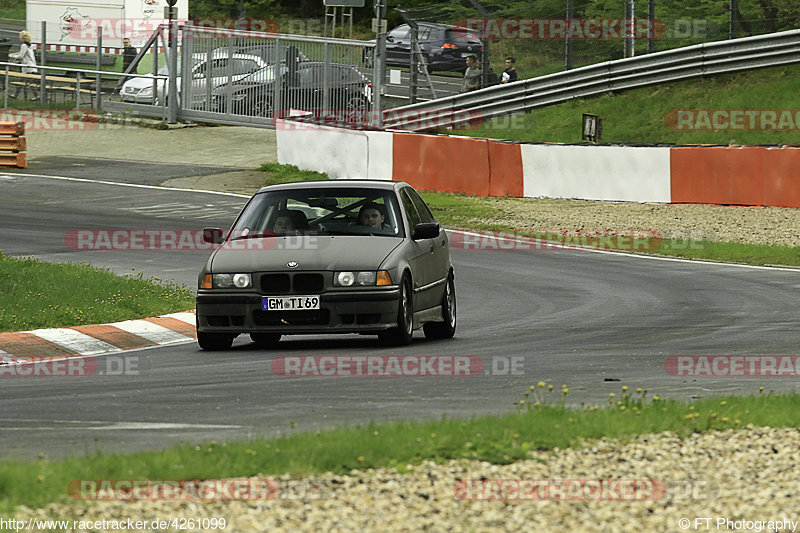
x: 670, y: 65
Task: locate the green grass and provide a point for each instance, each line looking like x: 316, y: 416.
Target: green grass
x: 278, y: 173
x: 35, y: 294
x: 540, y: 423
x: 638, y: 115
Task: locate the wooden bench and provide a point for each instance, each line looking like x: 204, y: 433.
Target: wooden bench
x: 63, y: 85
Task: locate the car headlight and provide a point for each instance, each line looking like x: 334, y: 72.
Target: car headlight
x: 349, y: 278
x: 147, y: 91
x: 238, y: 97
x: 227, y: 281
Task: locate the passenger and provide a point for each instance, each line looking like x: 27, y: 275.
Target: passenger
x: 371, y: 215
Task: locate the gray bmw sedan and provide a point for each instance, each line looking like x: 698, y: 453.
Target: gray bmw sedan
x: 339, y: 256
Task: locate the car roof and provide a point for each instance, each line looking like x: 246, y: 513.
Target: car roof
x: 383, y: 185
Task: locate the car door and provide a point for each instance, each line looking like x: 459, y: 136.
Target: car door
x: 421, y: 257
x: 440, y: 255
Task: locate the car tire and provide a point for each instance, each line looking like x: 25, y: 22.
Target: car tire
x: 214, y: 341
x: 446, y: 329
x: 402, y: 334
x: 265, y: 340
x: 261, y: 108
x: 356, y: 109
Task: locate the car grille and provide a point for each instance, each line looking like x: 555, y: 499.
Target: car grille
x: 275, y: 283
x: 299, y: 283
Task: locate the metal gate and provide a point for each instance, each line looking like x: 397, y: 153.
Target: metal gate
x: 250, y: 78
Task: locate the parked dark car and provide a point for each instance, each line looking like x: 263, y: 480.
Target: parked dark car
x: 346, y: 256
x: 443, y: 46
x: 337, y: 89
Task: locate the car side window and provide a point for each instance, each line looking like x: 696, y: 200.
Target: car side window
x: 244, y: 66
x: 400, y: 32
x: 410, y: 208
x: 425, y: 214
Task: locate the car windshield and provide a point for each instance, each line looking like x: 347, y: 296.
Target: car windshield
x: 320, y: 211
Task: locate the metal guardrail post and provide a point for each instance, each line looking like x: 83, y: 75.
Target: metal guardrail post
x: 43, y: 62
x: 98, y: 93
x: 172, y: 95
x: 379, y: 73
x: 651, y: 15
x: 568, y: 42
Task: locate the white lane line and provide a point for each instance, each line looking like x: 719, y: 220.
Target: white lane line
x: 151, y: 332
x: 189, y: 318
x: 113, y: 426
x: 135, y: 185
x: 75, y: 340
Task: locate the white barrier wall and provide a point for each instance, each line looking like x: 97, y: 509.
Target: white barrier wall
x: 380, y: 151
x: 340, y: 153
x: 617, y: 173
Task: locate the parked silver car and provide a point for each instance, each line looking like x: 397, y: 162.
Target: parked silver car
x: 346, y: 256
x: 223, y: 68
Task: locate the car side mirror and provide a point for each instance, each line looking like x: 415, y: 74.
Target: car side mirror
x: 425, y: 230
x: 390, y: 38
x: 212, y: 235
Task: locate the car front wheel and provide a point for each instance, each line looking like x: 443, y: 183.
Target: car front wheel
x: 446, y: 329
x: 214, y: 341
x: 402, y: 334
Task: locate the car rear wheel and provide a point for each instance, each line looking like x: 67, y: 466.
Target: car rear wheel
x: 265, y: 340
x: 446, y: 329
x: 262, y: 108
x: 214, y: 341
x: 402, y: 334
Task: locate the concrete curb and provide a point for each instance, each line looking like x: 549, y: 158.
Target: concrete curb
x: 100, y: 339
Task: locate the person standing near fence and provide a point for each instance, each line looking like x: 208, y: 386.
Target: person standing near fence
x: 510, y: 73
x: 473, y: 74
x: 128, y: 55
x: 28, y: 60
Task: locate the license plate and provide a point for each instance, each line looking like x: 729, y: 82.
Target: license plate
x: 289, y: 303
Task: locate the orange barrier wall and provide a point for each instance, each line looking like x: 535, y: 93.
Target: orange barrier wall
x: 746, y: 175
x: 457, y: 164
x: 505, y: 166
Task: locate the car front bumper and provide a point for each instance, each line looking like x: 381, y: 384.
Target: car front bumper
x: 341, y: 311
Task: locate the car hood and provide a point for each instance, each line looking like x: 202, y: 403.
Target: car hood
x: 311, y: 252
